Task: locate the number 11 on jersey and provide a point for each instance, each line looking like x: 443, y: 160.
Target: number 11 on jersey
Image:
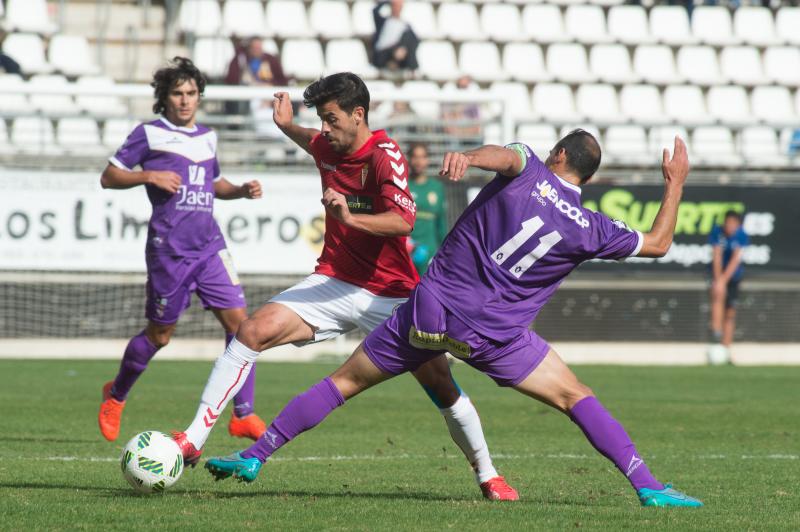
x: 529, y: 228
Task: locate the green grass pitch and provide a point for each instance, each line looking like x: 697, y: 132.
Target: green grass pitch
x: 729, y: 436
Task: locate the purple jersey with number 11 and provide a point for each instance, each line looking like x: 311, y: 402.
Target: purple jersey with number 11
x: 514, y: 244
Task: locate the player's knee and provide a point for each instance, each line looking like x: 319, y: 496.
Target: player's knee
x: 250, y: 333
x: 572, y: 395
x: 159, y: 338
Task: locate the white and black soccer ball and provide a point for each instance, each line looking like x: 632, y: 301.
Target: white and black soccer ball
x: 718, y: 355
x: 151, y: 462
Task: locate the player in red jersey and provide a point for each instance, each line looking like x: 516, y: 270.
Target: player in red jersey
x: 362, y: 275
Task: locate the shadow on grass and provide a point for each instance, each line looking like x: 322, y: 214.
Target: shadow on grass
x: 100, y: 490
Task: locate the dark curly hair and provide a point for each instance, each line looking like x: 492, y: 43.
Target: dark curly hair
x: 345, y: 88
x: 177, y: 71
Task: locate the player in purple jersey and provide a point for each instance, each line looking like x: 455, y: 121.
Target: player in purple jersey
x: 185, y: 250
x: 499, y: 265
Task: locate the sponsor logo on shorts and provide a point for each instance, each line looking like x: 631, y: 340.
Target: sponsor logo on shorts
x: 545, y: 191
x: 437, y: 342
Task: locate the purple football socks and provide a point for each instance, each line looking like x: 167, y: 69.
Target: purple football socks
x: 609, y: 438
x: 304, y: 412
x: 244, y: 401
x: 138, y: 353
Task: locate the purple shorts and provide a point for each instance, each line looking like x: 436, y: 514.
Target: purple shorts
x: 171, y: 281
x: 422, y: 329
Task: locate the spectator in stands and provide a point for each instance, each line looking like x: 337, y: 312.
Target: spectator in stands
x: 7, y: 64
x: 394, y: 45
x: 253, y: 66
x: 431, y: 225
x: 728, y: 243
x: 466, y: 116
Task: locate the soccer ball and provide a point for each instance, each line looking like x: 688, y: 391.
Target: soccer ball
x: 151, y: 462
x: 718, y: 355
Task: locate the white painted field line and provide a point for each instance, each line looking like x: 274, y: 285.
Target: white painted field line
x: 375, y: 457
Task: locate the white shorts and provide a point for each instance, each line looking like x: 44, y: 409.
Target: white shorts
x: 334, y: 307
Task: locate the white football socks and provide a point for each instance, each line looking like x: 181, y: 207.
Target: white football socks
x: 226, y: 379
x: 465, y: 429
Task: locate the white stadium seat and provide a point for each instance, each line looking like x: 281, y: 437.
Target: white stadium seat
x: 52, y: 104
x: 664, y: 137
x: 525, y: 62
x: 642, y: 103
x: 742, y: 65
x: 712, y: 25
x: 586, y: 24
x: 515, y: 95
x: 422, y: 18
x: 543, y: 23
x: 243, y: 18
x: 698, y: 64
x: 348, y: 55
x: 115, y: 131
x: 330, y: 19
x: 568, y: 63
x: 70, y: 54
x: 79, y: 135
x: 656, y: 64
x: 540, y: 137
x: 714, y: 145
x: 212, y: 55
x: 34, y: 135
x: 628, y: 144
x: 773, y: 105
x: 787, y: 21
x: 599, y: 103
x: 28, y: 15
x: 481, y: 61
x: 628, y: 25
x: 685, y: 105
x: 302, y: 58
x: 730, y: 105
x: 287, y: 19
x: 755, y: 25
x: 611, y: 63
x: 362, y: 21
x: 459, y: 22
x: 501, y: 22
x: 670, y: 25
x: 202, y: 18
x: 759, y: 145
x: 99, y: 105
x: 27, y: 49
x: 554, y: 102
x: 420, y: 105
x: 14, y: 102
x: 437, y: 60
x: 782, y: 65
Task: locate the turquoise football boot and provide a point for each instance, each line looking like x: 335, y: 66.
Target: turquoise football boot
x: 667, y: 497
x: 234, y: 465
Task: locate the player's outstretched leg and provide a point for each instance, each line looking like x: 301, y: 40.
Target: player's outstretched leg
x: 554, y: 383
x: 139, y: 351
x: 271, y: 325
x: 244, y: 422
x: 464, y: 426
x: 302, y: 413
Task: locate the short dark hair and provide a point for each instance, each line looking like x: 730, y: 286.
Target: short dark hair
x: 177, y: 71
x: 583, y: 153
x: 734, y: 214
x: 345, y: 88
x: 416, y: 146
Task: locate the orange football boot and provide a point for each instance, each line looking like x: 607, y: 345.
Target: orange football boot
x: 250, y: 426
x: 497, y: 489
x: 110, y: 413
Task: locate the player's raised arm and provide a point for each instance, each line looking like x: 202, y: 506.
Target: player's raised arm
x: 225, y: 190
x: 675, y: 170
x: 114, y: 177
x: 504, y: 161
x: 283, y: 115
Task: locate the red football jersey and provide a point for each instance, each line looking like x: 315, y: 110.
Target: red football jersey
x: 374, y: 179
